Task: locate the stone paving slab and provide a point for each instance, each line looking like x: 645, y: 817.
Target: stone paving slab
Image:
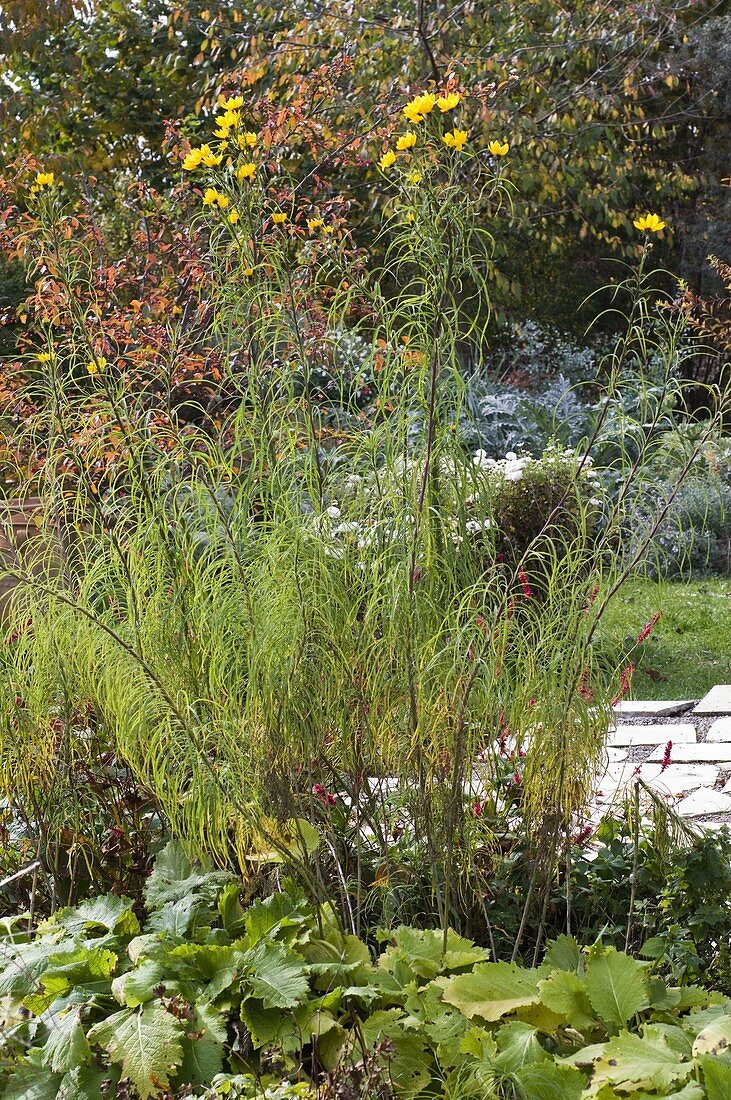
x: 717, y: 701
x: 708, y: 752
x: 697, y: 782
x: 656, y: 734
x: 720, y: 730
x: 677, y: 780
x: 673, y: 780
x: 703, y: 802
x: 653, y: 707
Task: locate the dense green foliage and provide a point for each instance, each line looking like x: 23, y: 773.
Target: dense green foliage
x: 207, y: 998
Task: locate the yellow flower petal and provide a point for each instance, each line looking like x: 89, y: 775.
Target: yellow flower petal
x: 406, y: 141
x: 387, y: 160
x: 448, y: 102
x: 456, y: 139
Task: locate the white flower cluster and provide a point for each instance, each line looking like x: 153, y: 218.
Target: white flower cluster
x: 510, y: 468
x: 513, y: 466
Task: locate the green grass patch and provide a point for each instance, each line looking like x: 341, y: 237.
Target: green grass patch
x: 689, y: 649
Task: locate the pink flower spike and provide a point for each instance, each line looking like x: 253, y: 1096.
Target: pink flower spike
x: 666, y: 761
x: 527, y: 590
x: 648, y: 628
x: 625, y: 680
x: 477, y: 809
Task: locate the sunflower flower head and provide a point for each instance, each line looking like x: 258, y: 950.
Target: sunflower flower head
x: 649, y: 223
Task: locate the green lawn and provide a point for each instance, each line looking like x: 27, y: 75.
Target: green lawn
x: 690, y: 648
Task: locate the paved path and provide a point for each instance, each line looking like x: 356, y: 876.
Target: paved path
x: 680, y: 748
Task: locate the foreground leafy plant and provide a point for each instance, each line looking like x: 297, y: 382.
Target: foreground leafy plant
x: 208, y: 999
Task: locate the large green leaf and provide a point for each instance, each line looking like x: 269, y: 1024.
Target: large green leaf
x: 549, y: 1081
x: 338, y: 960
x: 67, y: 1045
x: 491, y: 990
x: 175, y: 917
x: 714, y: 1038
x: 88, y: 968
x: 440, y: 1023
x: 270, y: 1025
x: 135, y: 987
x: 211, y: 965
x: 26, y: 962
x: 518, y: 1046
x: 673, y: 1035
x: 564, y: 992
x: 31, y: 1083
x: 85, y: 1083
x: 112, y: 913
x: 564, y: 953
x: 421, y: 953
x: 649, y: 1063
x: 695, y: 1022
x: 278, y: 977
x: 146, y: 1042
x: 284, y: 911
x: 408, y: 1064
x: 690, y: 1091
x: 717, y: 1076
x: 203, y: 1054
x: 175, y: 878
x: 617, y: 987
